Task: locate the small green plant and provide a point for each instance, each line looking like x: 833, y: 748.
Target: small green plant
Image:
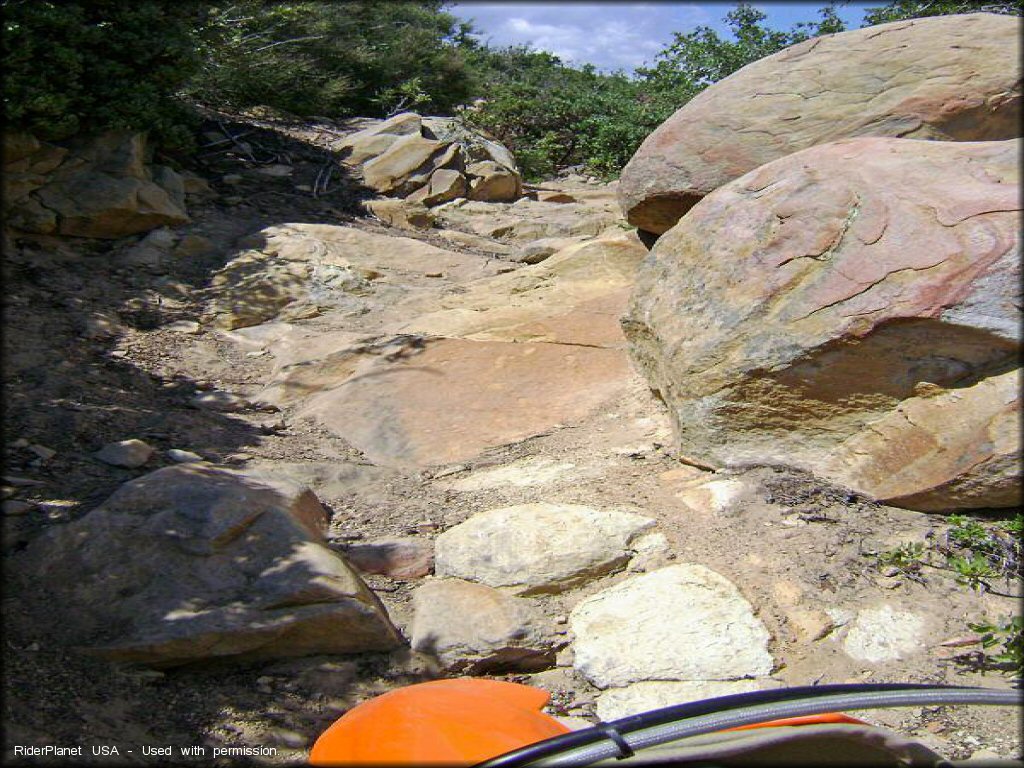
x: 968, y: 533
x: 1014, y: 527
x: 973, y: 570
x: 905, y: 559
x: 1007, y: 637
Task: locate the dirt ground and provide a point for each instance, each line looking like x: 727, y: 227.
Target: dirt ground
x: 72, y: 386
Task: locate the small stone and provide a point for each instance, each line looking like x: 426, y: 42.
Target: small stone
x: 194, y: 245
x: 231, y: 179
x: 220, y: 401
x: 21, y: 442
x: 397, y: 558
x: 277, y: 170
x: 433, y: 274
x: 17, y: 507
x: 42, y: 451
x: 183, y: 326
x: 182, y: 457
x: 126, y: 453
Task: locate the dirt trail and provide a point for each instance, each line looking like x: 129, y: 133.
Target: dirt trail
x: 90, y: 360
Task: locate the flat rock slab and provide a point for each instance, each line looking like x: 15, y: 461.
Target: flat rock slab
x: 683, y: 622
x: 192, y: 562
x: 852, y: 310
x: 474, y: 629
x: 576, y: 296
x: 884, y: 633
x: 452, y: 399
x: 534, y: 548
x: 946, y: 77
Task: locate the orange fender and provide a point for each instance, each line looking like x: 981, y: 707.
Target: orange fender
x: 456, y: 722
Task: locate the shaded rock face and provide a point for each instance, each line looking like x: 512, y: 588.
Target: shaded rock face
x: 852, y: 310
x: 431, y: 160
x: 951, y: 78
x: 474, y: 629
x: 192, y: 562
x: 98, y: 187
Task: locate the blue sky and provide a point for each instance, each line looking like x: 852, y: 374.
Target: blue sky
x: 620, y: 35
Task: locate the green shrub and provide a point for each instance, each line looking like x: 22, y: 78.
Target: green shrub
x: 93, y: 65
x: 334, y: 59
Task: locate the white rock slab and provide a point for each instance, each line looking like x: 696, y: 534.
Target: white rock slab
x: 883, y: 633
x: 684, y: 622
x: 520, y: 474
x: 655, y: 694
x: 536, y: 548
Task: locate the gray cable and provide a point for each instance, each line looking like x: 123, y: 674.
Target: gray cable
x: 660, y: 734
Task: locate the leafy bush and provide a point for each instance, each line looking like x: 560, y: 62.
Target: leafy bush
x: 335, y: 59
x: 98, y: 64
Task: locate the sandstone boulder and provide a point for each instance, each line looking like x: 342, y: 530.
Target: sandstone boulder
x: 193, y: 562
x: 536, y: 548
x: 366, y: 144
x: 99, y: 187
x: 399, y: 558
x: 426, y: 160
x: 684, y: 622
x: 947, y: 77
x: 474, y: 629
x: 851, y: 310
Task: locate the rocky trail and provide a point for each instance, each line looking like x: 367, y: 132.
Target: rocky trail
x: 454, y: 387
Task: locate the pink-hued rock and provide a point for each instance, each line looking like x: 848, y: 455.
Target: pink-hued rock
x: 853, y: 310
x: 945, y: 78
x: 401, y: 558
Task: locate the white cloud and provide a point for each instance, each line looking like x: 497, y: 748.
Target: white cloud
x: 607, y: 35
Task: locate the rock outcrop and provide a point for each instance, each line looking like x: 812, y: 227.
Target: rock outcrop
x: 431, y: 160
x: 97, y: 186
x: 851, y: 310
x: 947, y: 78
x: 192, y: 562
x: 457, y: 381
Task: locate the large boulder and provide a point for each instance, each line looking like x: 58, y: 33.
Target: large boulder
x: 947, y: 78
x: 194, y: 562
x: 99, y: 186
x: 852, y: 310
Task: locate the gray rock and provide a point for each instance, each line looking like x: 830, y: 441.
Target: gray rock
x: 191, y: 563
x: 474, y: 629
x: 684, y: 622
x: 126, y: 453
